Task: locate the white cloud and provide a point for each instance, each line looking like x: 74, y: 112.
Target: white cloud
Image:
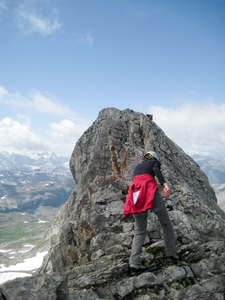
x: 84, y: 38
x: 15, y: 99
x: 88, y: 38
x: 67, y: 130
x: 36, y: 102
x: 3, y: 92
x: 29, y: 20
x: 66, y: 133
x: 193, y: 126
x: 49, y: 105
x: 18, y: 137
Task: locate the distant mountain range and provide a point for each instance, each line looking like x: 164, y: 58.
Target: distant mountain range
x: 27, y: 182
x: 214, y: 168
x: 215, y: 171
x: 32, y: 188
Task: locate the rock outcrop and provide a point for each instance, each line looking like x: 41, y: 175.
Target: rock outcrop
x: 39, y: 287
x: 91, y: 238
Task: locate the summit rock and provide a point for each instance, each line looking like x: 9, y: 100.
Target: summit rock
x: 90, y: 239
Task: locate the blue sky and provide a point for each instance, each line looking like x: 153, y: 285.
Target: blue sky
x: 61, y: 62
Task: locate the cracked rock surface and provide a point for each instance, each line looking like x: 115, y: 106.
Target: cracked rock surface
x: 91, y: 238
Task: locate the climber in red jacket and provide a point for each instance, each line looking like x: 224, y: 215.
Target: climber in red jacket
x: 144, y: 195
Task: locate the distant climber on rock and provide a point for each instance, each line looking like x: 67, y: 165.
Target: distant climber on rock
x: 149, y: 118
x: 144, y: 195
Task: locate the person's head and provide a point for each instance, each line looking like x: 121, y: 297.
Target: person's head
x: 150, y: 155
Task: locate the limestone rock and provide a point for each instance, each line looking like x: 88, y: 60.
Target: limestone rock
x: 91, y: 238
x: 39, y: 287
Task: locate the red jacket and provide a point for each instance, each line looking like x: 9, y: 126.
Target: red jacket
x: 147, y: 186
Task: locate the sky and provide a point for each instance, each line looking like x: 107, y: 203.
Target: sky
x: 62, y: 62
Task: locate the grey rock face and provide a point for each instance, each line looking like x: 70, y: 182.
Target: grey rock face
x: 91, y: 238
x: 39, y: 287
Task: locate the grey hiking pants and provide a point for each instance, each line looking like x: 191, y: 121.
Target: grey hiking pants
x: 140, y: 231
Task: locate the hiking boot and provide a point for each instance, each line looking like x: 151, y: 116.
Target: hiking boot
x: 137, y: 269
x: 174, y: 259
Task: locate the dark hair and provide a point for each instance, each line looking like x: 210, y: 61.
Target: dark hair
x: 147, y: 157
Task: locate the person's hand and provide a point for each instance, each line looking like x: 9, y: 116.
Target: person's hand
x: 166, y: 191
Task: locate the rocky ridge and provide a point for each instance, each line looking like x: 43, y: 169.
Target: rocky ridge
x: 91, y: 238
